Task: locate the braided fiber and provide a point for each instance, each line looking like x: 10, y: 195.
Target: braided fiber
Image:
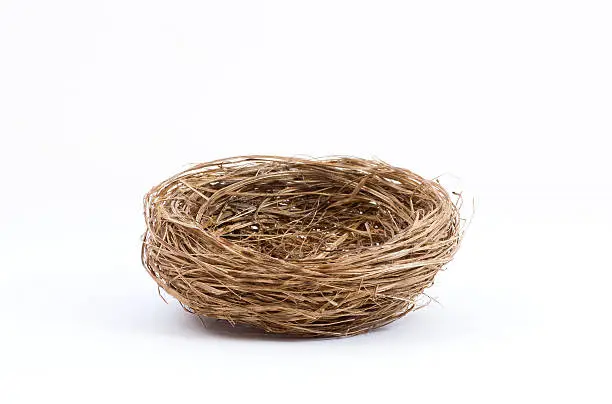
x: 306, y: 247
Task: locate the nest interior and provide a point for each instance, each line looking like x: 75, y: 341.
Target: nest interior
x: 306, y: 247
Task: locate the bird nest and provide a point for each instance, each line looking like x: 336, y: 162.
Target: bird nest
x: 306, y: 247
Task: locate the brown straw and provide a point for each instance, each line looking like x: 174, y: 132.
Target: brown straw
x: 306, y: 247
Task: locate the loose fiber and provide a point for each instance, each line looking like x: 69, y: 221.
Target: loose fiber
x: 305, y: 247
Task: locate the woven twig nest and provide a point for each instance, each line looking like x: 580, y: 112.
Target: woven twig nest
x: 325, y: 247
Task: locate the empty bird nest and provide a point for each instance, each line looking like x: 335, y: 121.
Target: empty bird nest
x: 305, y: 247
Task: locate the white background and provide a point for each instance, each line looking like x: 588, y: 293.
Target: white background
x: 99, y: 101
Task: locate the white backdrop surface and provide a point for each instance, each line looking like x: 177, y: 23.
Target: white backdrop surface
x: 101, y: 100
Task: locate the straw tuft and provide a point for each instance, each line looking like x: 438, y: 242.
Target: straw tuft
x: 306, y: 247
